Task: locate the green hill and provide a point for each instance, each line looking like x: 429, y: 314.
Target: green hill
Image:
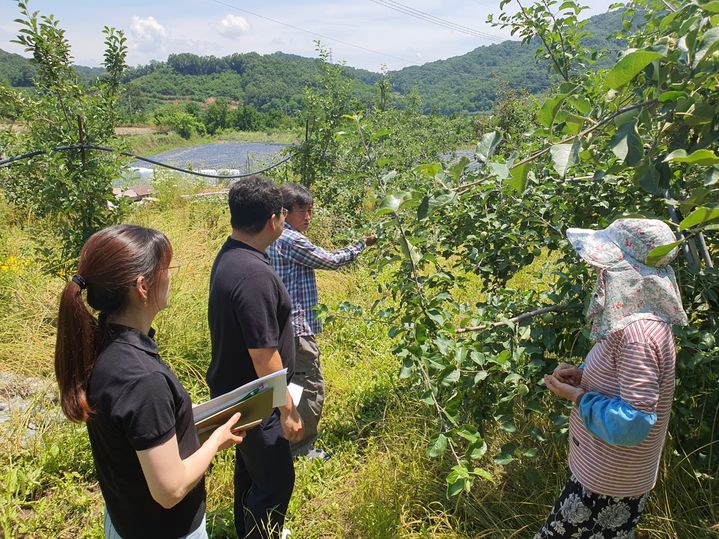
x: 18, y: 71
x: 461, y: 84
x: 468, y: 83
x: 264, y: 81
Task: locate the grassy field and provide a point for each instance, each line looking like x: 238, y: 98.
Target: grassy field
x: 379, y: 482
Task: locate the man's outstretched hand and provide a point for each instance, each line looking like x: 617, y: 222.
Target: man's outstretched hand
x: 370, y: 240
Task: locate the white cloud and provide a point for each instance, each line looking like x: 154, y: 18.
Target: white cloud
x: 147, y: 29
x: 234, y: 26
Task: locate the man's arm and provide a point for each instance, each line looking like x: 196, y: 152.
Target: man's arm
x: 267, y: 361
x: 302, y: 251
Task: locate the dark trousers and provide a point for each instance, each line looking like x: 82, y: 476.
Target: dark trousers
x: 264, y: 479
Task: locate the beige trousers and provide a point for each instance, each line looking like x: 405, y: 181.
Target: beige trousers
x: 308, y: 374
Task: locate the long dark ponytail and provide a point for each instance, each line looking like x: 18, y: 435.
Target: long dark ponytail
x: 110, y: 262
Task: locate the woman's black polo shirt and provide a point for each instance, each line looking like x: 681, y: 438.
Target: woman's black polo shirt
x: 138, y: 404
x: 249, y: 307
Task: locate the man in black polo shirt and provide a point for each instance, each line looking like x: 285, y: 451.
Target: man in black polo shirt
x: 251, y: 331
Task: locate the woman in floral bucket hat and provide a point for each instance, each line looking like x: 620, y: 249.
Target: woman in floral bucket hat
x: 623, y: 392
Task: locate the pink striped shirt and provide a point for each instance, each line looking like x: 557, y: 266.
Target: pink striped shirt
x: 637, y: 365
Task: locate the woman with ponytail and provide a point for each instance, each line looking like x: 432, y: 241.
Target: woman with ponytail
x: 149, y: 462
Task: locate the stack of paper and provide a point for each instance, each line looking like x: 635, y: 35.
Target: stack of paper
x: 254, y: 400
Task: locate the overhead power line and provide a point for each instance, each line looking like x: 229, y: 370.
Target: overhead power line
x: 34, y: 153
x: 312, y: 33
x: 427, y: 17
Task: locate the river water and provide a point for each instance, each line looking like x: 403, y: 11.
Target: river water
x: 228, y: 158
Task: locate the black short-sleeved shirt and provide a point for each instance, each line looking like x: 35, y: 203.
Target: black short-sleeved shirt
x: 139, y: 404
x: 249, y: 307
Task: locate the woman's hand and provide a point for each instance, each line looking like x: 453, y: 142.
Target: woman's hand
x: 568, y: 374
x: 226, y: 435
x: 563, y: 390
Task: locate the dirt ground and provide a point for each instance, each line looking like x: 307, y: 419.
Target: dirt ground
x: 122, y: 131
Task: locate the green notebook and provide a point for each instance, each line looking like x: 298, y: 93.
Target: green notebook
x: 254, y: 407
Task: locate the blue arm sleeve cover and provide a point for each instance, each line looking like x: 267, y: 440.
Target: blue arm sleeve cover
x: 613, y: 420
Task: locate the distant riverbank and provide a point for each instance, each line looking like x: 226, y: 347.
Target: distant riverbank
x: 147, y: 144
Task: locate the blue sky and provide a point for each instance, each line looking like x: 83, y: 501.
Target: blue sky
x: 361, y: 32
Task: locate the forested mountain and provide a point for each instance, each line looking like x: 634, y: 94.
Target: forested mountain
x: 18, y: 71
x: 270, y: 81
x: 15, y: 70
x: 462, y: 84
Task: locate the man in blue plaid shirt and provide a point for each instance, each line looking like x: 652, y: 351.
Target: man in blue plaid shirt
x: 295, y: 259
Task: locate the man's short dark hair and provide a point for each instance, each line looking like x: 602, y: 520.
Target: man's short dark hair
x: 295, y: 195
x: 252, y: 201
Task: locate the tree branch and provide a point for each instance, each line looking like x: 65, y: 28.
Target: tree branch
x: 517, y: 319
x: 536, y: 155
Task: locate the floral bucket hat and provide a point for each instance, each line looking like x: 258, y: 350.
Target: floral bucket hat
x: 633, y: 238
x: 627, y: 288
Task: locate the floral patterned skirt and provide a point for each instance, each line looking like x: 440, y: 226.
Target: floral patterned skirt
x: 580, y: 514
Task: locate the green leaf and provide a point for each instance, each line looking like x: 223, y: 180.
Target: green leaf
x: 564, y: 156
x: 469, y: 433
x: 699, y: 216
x: 380, y: 134
x: 478, y: 450
x: 407, y: 368
x: 711, y: 177
x: 487, y: 146
x: 656, y: 254
x: 549, y: 110
x: 710, y: 42
x: 625, y: 117
x: 504, y: 458
x: 430, y: 204
x: 428, y: 169
x: 484, y: 474
x: 648, y: 179
x: 711, y: 7
x: 500, y: 170
x: 458, y: 480
x: 574, y: 123
x: 409, y: 250
x: 481, y: 375
x: 700, y: 113
x: 629, y: 66
x: 456, y: 170
x: 392, y: 202
x: 518, y: 180
x: 582, y: 104
x: 437, y: 445
x: 503, y: 357
x: 699, y: 157
x: 627, y: 144
x: 452, y: 378
x: 387, y: 177
x: 672, y: 96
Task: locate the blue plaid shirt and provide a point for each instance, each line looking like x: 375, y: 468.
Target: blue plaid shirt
x: 295, y: 259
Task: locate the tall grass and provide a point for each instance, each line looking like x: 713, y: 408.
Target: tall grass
x: 379, y: 482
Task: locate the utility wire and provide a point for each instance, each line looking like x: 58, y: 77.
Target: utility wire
x: 427, y: 17
x: 9, y: 160
x: 402, y: 8
x: 311, y: 32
